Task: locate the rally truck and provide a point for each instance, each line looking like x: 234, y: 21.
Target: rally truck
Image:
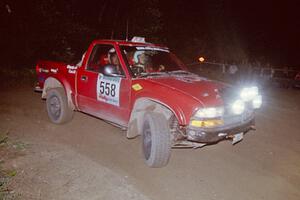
x: 144, y: 89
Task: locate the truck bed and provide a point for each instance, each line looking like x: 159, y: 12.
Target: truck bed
x: 62, y: 71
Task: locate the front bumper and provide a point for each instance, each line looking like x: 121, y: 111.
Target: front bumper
x: 231, y: 126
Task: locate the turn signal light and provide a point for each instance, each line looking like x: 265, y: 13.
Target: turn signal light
x: 207, y: 123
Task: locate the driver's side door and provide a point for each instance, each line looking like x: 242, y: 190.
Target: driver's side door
x: 103, y: 96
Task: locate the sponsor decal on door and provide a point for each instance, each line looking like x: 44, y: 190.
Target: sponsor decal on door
x: 108, y: 89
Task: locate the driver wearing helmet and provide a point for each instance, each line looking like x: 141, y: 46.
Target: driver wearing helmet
x: 142, y: 60
x: 113, y: 59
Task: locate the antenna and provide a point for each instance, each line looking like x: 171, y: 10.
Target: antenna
x: 112, y: 34
x: 127, y: 25
x: 115, y: 22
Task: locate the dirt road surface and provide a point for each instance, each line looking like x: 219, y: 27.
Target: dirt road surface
x: 90, y: 159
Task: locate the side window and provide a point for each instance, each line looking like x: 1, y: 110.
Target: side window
x: 101, y: 56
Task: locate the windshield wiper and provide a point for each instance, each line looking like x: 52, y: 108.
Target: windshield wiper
x: 179, y: 72
x: 151, y: 74
x: 144, y: 74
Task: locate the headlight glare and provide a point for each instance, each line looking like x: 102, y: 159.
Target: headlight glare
x: 248, y: 94
x: 257, y: 101
x: 212, y: 112
x: 238, y: 107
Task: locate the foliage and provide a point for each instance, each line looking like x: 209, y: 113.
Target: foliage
x: 4, y: 175
x: 8, y: 149
x: 216, y: 29
x: 62, y: 30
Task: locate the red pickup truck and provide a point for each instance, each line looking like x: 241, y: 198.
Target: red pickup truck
x: 145, y: 89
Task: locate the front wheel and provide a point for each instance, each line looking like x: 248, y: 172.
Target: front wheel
x: 57, y: 106
x: 156, y: 141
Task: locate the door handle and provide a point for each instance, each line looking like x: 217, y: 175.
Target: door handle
x: 84, y: 78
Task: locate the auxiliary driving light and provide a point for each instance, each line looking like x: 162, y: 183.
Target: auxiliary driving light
x: 238, y: 107
x: 257, y: 101
x: 248, y: 94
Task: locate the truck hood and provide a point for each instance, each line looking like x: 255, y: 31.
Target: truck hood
x: 206, y: 91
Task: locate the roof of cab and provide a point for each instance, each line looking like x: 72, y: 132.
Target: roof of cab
x: 128, y: 43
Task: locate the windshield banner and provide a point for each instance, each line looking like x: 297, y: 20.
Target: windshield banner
x: 152, y: 49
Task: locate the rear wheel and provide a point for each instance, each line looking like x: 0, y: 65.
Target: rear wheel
x: 156, y: 141
x: 57, y: 106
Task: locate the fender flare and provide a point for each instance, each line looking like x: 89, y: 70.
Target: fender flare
x: 145, y: 104
x: 52, y: 82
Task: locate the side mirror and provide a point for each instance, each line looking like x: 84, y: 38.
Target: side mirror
x: 111, y: 70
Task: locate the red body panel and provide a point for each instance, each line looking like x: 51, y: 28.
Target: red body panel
x: 184, y: 98
x: 182, y: 94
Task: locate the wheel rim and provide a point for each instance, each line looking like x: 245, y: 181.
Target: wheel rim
x: 147, y: 142
x: 55, y: 107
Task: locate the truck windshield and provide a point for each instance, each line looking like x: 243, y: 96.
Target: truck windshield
x: 143, y: 60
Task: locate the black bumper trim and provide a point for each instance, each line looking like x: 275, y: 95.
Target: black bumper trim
x: 213, y: 135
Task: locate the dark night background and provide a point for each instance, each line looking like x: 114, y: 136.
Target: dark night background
x: 222, y: 31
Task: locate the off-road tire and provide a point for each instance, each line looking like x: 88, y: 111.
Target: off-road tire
x: 57, y: 106
x: 156, y: 141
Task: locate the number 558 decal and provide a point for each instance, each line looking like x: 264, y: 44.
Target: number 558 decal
x: 108, y: 89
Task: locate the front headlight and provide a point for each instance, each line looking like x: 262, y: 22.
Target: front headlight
x: 238, y: 107
x: 212, y: 112
x: 248, y: 94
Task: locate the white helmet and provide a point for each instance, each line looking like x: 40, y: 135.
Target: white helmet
x: 110, y: 52
x: 136, y: 55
